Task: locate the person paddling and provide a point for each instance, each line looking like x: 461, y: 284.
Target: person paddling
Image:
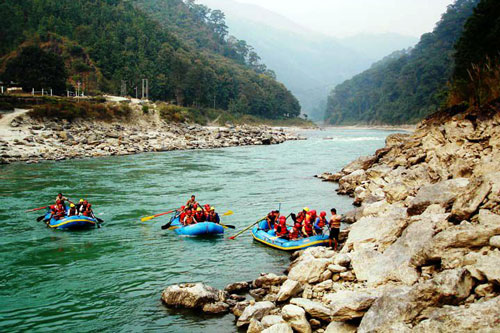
x: 191, y: 203
x: 213, y: 216
x: 320, y: 223
x: 189, y: 218
x: 72, y: 210
x: 334, y: 226
x: 281, y: 229
x: 60, y: 210
x: 271, y: 219
x: 199, y: 215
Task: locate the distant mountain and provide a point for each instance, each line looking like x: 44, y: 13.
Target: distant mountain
x: 407, y: 86
x: 310, y: 64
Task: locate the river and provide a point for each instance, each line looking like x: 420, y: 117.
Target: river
x: 110, y: 279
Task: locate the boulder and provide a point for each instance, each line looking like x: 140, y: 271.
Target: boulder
x: 314, y: 309
x: 256, y: 311
x: 239, y: 308
x: 495, y: 241
x: 347, y: 304
x: 337, y: 268
x: 237, y: 287
x: 348, y: 184
x: 271, y: 320
x: 255, y: 326
x: 443, y: 193
x: 397, y: 191
x: 308, y: 270
x: 395, y: 264
x: 469, y: 200
x: 362, y: 163
x: 484, y: 266
x: 190, y: 295
x: 401, y: 305
x: 216, y: 308
x: 340, y: 327
x: 382, y: 231
x: 269, y: 280
x: 342, y: 259
x: 296, y: 317
x: 460, y: 236
x: 279, y: 328
x: 478, y: 317
x: 289, y: 289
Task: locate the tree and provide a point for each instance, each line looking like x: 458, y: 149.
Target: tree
x: 35, y: 68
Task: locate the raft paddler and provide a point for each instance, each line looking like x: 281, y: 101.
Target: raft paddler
x: 199, y: 215
x: 189, y: 218
x: 281, y: 228
x: 308, y: 225
x: 320, y: 223
x: 72, y: 210
x: 334, y: 225
x: 271, y: 219
x: 62, y: 198
x: 191, y: 203
x: 60, y: 210
x: 213, y: 216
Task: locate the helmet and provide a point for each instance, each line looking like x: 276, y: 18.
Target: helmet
x: 306, y: 209
x: 313, y: 212
x: 199, y: 209
x: 322, y: 214
x: 212, y: 208
x: 81, y: 200
x: 183, y: 207
x: 58, y: 202
x: 85, y: 202
x: 72, y: 205
x: 89, y: 205
x: 207, y: 206
x: 282, y: 219
x: 188, y: 211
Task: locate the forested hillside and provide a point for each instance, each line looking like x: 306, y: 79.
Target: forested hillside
x: 476, y: 78
x: 407, y: 86
x: 188, y: 58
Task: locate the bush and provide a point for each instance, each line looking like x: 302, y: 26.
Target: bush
x: 83, y: 110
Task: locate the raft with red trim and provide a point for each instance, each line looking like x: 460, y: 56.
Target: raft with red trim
x: 269, y: 238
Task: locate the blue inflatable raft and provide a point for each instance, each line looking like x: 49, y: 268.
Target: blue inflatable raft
x: 76, y: 222
x: 198, y: 229
x: 269, y: 238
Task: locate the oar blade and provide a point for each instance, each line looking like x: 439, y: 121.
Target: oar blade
x: 229, y: 212
x: 144, y: 219
x: 228, y: 226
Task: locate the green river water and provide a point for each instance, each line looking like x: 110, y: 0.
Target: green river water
x: 110, y: 279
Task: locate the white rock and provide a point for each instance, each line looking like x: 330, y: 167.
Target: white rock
x: 271, y: 320
x: 308, y: 270
x: 314, y: 309
x: 296, y: 317
x: 289, y: 289
x: 495, y: 241
x: 279, y: 328
x: 347, y: 305
x: 256, y: 311
x: 340, y: 327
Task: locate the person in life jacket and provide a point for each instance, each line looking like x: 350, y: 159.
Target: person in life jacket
x: 334, y: 225
x: 320, y: 223
x: 294, y: 234
x: 190, y: 204
x: 308, y: 226
x: 213, y: 216
x: 189, y: 218
x: 88, y: 211
x: 281, y: 229
x: 61, y: 198
x: 300, y: 217
x: 83, y: 207
x: 271, y: 219
x: 60, y: 211
x: 72, y: 210
x: 199, y: 215
x: 79, y: 205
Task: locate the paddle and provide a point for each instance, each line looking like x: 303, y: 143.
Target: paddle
x: 147, y: 218
x: 39, y: 218
x: 166, y: 226
x: 35, y: 209
x: 242, y: 231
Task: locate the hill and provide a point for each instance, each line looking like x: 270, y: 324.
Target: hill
x: 307, y: 62
x: 407, y: 86
x: 124, y: 44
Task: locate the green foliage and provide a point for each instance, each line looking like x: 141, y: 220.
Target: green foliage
x: 145, y: 109
x: 35, y: 68
x: 406, y: 86
x: 476, y: 77
x: 63, y: 109
x: 125, y: 44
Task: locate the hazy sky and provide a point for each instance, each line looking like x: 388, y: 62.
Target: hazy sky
x: 348, y: 17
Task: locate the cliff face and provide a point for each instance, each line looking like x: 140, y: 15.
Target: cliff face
x: 424, y: 242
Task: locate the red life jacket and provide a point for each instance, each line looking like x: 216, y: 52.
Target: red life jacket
x: 322, y: 222
x: 294, y: 234
x: 300, y: 217
x: 308, y: 227
x: 182, y: 216
x: 281, y: 230
x: 199, y: 216
x: 188, y: 220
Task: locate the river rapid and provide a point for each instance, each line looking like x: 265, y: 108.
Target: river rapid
x: 110, y: 279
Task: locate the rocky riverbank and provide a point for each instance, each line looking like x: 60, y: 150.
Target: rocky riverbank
x: 28, y: 140
x: 422, y: 253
